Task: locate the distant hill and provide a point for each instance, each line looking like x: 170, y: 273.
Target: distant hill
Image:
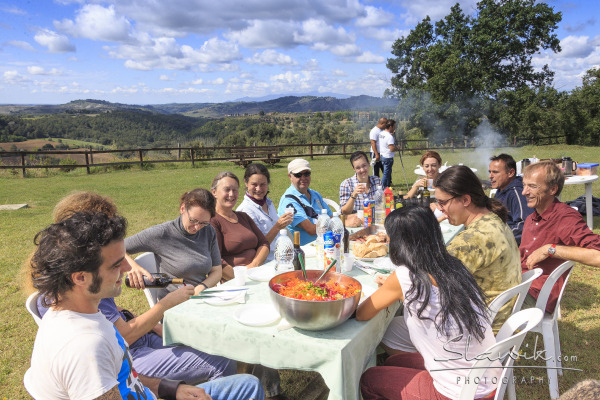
x: 287, y: 104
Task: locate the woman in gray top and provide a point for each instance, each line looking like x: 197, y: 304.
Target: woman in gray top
x: 184, y: 248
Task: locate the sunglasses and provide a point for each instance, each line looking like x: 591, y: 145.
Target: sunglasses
x: 301, y: 174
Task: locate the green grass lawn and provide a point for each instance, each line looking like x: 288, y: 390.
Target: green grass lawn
x: 148, y: 197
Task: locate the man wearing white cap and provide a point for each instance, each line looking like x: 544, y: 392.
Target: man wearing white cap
x: 306, y: 202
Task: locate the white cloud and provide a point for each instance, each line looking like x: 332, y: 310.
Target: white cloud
x: 165, y: 78
x: 13, y: 77
x: 345, y: 50
x: 197, y: 82
x: 20, y: 44
x: 576, y: 46
x: 311, y: 65
x: 165, y: 53
x: 271, y: 57
x: 318, y: 31
x: 218, y: 81
x: 375, y: 17
x: 55, y: 42
x: 368, y: 57
x: 436, y: 9
x: 266, y: 34
x: 339, y: 72
x: 97, y: 23
x: 37, y: 70
x: 10, y: 9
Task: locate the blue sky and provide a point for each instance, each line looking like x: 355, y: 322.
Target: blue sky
x: 165, y: 51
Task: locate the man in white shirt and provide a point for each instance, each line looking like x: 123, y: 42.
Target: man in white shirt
x: 78, y: 353
x: 374, y: 138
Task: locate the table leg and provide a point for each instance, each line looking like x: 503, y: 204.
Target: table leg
x: 588, y: 205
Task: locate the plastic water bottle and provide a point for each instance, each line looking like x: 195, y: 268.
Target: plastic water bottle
x: 379, y: 215
x: 284, y: 252
x: 322, y: 227
x: 337, y: 227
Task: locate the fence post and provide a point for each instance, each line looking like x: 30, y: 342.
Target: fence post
x: 311, y: 151
x: 141, y: 159
x: 344, y: 149
x: 23, y: 165
x: 515, y: 141
x: 87, y: 163
x: 452, y: 144
x: 91, y: 157
x: 466, y: 142
x: 402, y: 143
x: 179, y: 151
x: 192, y: 155
x: 427, y: 144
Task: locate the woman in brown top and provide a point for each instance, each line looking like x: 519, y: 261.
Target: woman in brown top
x: 240, y: 241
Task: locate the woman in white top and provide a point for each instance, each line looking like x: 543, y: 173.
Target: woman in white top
x: 260, y: 208
x: 444, y: 316
x: 387, y: 149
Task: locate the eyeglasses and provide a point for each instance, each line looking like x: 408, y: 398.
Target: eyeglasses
x: 202, y: 224
x: 442, y: 203
x: 301, y: 174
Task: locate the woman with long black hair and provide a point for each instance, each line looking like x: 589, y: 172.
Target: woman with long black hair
x: 444, y: 324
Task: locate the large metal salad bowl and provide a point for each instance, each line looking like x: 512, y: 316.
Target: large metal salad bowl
x: 314, y: 315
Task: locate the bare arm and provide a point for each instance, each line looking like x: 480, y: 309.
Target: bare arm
x: 261, y: 255
x: 374, y: 149
x: 214, y: 276
x: 581, y: 255
x: 421, y: 182
x: 112, y: 394
x: 135, y: 328
x: 281, y: 223
x: 308, y: 226
x: 389, y: 292
x: 184, y: 392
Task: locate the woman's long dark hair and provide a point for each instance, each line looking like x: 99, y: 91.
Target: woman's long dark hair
x: 416, y: 241
x: 460, y: 180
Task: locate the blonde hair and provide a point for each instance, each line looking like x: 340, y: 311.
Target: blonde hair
x: 89, y: 202
x: 554, y: 175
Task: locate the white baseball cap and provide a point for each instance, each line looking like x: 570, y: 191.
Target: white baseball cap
x: 298, y: 165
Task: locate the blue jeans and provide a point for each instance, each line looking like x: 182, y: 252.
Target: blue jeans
x: 236, y: 387
x: 178, y: 362
x: 386, y: 181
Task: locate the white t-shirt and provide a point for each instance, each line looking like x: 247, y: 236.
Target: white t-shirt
x: 374, y: 135
x: 80, y: 356
x: 264, y: 221
x: 385, y: 139
x: 442, y: 352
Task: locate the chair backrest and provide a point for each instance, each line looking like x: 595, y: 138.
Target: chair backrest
x: 148, y: 262
x: 506, y: 349
x: 519, y: 290
x: 332, y: 204
x: 549, y: 284
x: 31, y: 305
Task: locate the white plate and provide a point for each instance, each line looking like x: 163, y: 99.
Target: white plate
x: 368, y: 259
x: 384, y: 263
x: 264, y: 273
x: 256, y: 315
x: 366, y: 292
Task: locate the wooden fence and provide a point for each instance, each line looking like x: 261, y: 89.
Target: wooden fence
x: 25, y: 160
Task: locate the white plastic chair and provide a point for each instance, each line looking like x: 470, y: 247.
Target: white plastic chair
x: 31, y: 305
x: 519, y: 290
x: 508, y: 343
x: 332, y: 204
x: 148, y: 262
x: 549, y: 326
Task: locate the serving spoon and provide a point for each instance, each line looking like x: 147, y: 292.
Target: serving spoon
x: 301, y: 259
x: 326, y: 271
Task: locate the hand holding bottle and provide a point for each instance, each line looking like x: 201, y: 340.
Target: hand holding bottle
x: 136, y: 276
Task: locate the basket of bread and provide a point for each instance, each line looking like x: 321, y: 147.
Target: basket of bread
x: 372, y: 246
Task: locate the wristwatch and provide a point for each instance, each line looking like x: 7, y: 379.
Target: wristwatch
x: 552, y: 250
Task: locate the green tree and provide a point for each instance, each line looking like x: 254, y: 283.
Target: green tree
x: 581, y: 111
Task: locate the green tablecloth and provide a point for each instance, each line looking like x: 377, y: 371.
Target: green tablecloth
x: 340, y: 355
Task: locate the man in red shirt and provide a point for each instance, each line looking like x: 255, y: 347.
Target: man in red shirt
x: 554, y: 232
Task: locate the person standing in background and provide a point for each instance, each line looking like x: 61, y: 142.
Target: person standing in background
x: 374, y: 138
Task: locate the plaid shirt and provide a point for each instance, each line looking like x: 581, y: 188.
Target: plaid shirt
x: 348, y: 185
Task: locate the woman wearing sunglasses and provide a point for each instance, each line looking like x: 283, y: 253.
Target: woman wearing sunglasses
x: 240, y: 240
x: 185, y: 247
x: 487, y: 245
x: 260, y: 207
x: 307, y: 203
x: 445, y: 323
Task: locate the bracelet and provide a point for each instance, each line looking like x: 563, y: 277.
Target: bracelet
x: 203, y: 284
x: 167, y: 389
x: 354, y: 197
